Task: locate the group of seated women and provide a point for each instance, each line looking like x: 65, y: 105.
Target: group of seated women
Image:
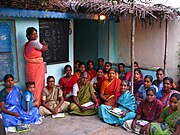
x: 153, y: 108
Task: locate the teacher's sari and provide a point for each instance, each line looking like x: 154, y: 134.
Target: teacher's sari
x: 35, y: 69
x: 171, y: 121
x: 13, y: 104
x: 111, y: 90
x: 125, y: 102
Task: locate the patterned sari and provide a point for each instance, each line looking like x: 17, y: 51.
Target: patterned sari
x: 111, y: 90
x: 83, y: 96
x: 125, y: 102
x: 13, y: 104
x: 165, y: 98
x: 67, y: 87
x: 35, y: 69
x: 171, y: 121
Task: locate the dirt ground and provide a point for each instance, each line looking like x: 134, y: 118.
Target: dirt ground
x: 74, y: 125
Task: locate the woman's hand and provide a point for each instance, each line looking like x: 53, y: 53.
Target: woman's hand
x: 142, y: 130
x: 123, y: 114
x: 133, y: 125
x: 55, y: 111
x: 96, y: 106
x: 15, y: 114
x: 82, y: 108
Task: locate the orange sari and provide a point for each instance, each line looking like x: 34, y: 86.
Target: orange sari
x: 77, y: 74
x: 35, y: 69
x: 111, y: 91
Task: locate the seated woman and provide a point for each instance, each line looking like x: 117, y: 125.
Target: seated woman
x: 110, y: 88
x: 10, y: 104
x: 160, y: 74
x: 141, y: 94
x: 83, y: 92
x: 148, y: 110
x: 165, y: 94
x: 138, y: 81
x: 126, y: 102
x: 82, y: 68
x: 98, y: 80
x: 159, y: 81
x: 128, y: 74
x: 169, y: 121
x: 121, y: 71
x: 66, y: 83
x: 90, y: 69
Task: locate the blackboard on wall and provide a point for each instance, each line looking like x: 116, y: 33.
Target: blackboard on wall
x: 55, y: 32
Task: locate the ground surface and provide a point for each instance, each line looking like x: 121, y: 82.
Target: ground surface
x: 74, y: 125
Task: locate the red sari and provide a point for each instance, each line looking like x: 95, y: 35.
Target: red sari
x: 35, y: 69
x: 111, y: 91
x: 92, y: 73
x: 67, y: 86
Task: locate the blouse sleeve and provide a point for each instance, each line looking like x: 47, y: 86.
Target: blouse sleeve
x: 139, y: 110
x: 75, y: 89
x: 37, y: 45
x: 103, y: 86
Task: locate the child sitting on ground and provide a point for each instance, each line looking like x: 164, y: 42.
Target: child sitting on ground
x: 27, y: 98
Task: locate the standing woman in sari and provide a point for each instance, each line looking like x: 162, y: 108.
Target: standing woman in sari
x: 169, y: 121
x: 35, y: 69
x: 83, y: 92
x: 110, y: 88
x: 126, y: 102
x: 66, y: 83
x: 165, y: 94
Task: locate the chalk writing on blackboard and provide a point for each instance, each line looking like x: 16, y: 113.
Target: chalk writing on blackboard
x: 5, y: 39
x: 55, y: 32
x: 6, y: 62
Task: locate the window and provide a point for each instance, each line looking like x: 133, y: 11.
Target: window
x: 8, y: 57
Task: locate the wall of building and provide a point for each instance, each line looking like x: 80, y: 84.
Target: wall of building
x: 56, y: 69
x: 149, y: 45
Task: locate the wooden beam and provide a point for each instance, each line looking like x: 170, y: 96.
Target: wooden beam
x: 132, y: 51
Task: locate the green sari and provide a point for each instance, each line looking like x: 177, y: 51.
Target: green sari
x: 83, y: 96
x: 171, y: 121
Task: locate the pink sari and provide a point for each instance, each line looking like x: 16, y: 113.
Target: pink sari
x: 35, y: 69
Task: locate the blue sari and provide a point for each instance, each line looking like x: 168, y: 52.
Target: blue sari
x: 13, y: 104
x: 126, y: 101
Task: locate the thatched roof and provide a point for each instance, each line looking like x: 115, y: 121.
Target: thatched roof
x: 95, y: 7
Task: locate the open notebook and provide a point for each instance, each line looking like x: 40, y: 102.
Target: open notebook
x: 22, y: 128
x: 59, y: 115
x: 141, y: 122
x: 88, y: 105
x: 116, y: 111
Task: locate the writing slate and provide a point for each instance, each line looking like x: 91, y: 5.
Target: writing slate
x: 55, y: 32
